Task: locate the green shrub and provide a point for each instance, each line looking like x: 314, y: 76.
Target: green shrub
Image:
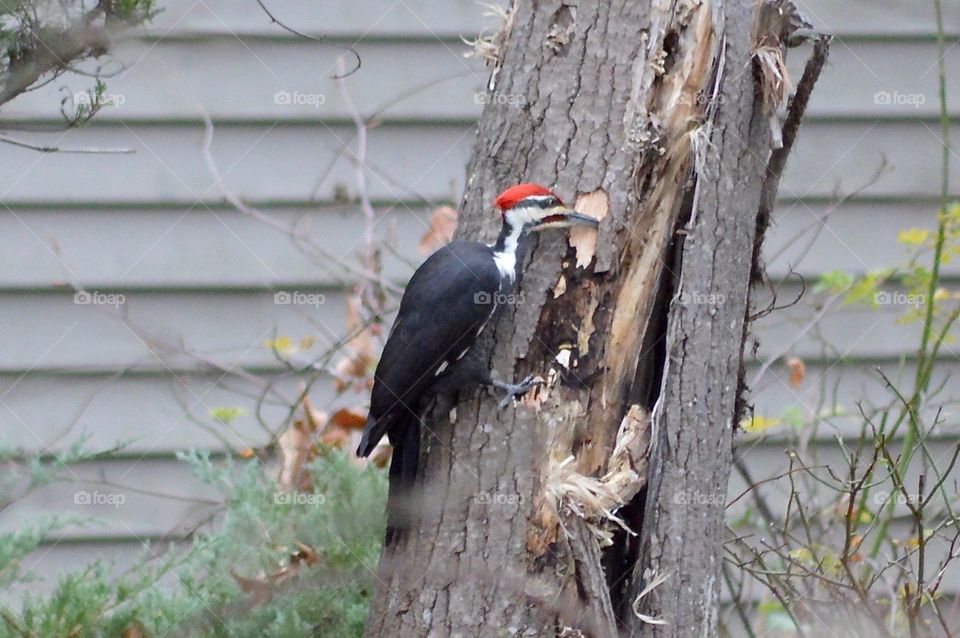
x: 273, y: 564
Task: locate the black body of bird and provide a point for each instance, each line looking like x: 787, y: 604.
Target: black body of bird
x: 446, y: 305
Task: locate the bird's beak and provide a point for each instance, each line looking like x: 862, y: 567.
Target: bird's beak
x: 564, y: 218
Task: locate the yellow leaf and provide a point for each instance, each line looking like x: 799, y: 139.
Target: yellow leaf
x: 953, y: 212
x: 914, y: 542
x: 226, y: 414
x: 759, y: 424
x: 941, y: 294
x: 280, y: 344
x: 913, y: 236
x: 830, y: 563
x: 801, y: 554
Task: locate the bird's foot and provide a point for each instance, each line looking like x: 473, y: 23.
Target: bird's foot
x: 512, y: 390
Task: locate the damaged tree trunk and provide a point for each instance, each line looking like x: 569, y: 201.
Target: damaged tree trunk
x: 650, y: 117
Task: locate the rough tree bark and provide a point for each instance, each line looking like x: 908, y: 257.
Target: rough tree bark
x: 649, y: 115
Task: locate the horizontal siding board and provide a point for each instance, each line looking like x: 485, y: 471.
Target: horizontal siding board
x: 452, y: 18
x: 172, y: 507
x: 857, y: 237
x: 165, y: 82
x: 269, y: 162
x: 836, y: 394
x: 843, y: 157
x: 433, y: 79
x: 878, y: 17
x: 60, y: 557
x: 130, y: 249
x: 852, y: 331
x: 158, y: 414
x: 153, y: 414
x: 880, y: 79
x: 284, y: 163
x: 346, y: 18
x: 769, y: 461
x: 227, y: 329
x: 162, y: 414
x: 123, y: 249
x: 66, y: 556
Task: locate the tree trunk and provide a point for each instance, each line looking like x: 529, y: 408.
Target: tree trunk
x: 649, y: 116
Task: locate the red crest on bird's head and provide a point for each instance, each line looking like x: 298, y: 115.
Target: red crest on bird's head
x: 509, y: 198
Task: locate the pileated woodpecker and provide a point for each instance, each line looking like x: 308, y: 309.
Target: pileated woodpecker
x: 448, y: 302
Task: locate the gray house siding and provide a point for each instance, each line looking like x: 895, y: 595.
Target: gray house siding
x: 193, y: 272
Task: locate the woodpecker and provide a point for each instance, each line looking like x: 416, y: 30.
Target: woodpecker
x: 447, y: 304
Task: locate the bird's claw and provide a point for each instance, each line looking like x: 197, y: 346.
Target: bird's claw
x: 513, y: 390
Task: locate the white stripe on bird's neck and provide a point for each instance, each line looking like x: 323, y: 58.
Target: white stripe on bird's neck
x: 505, y: 255
x: 506, y: 258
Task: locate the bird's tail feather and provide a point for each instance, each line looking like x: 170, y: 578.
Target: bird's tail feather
x: 373, y: 431
x: 401, y: 500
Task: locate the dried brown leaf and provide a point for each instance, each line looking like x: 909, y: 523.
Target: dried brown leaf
x: 349, y: 418
x: 133, y: 630
x: 355, y: 368
x: 798, y: 371
x: 304, y: 554
x: 297, y: 446
x: 443, y: 223
x: 381, y: 455
x: 258, y: 589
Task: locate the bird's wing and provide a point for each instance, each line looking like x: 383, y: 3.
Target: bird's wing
x: 449, y: 298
